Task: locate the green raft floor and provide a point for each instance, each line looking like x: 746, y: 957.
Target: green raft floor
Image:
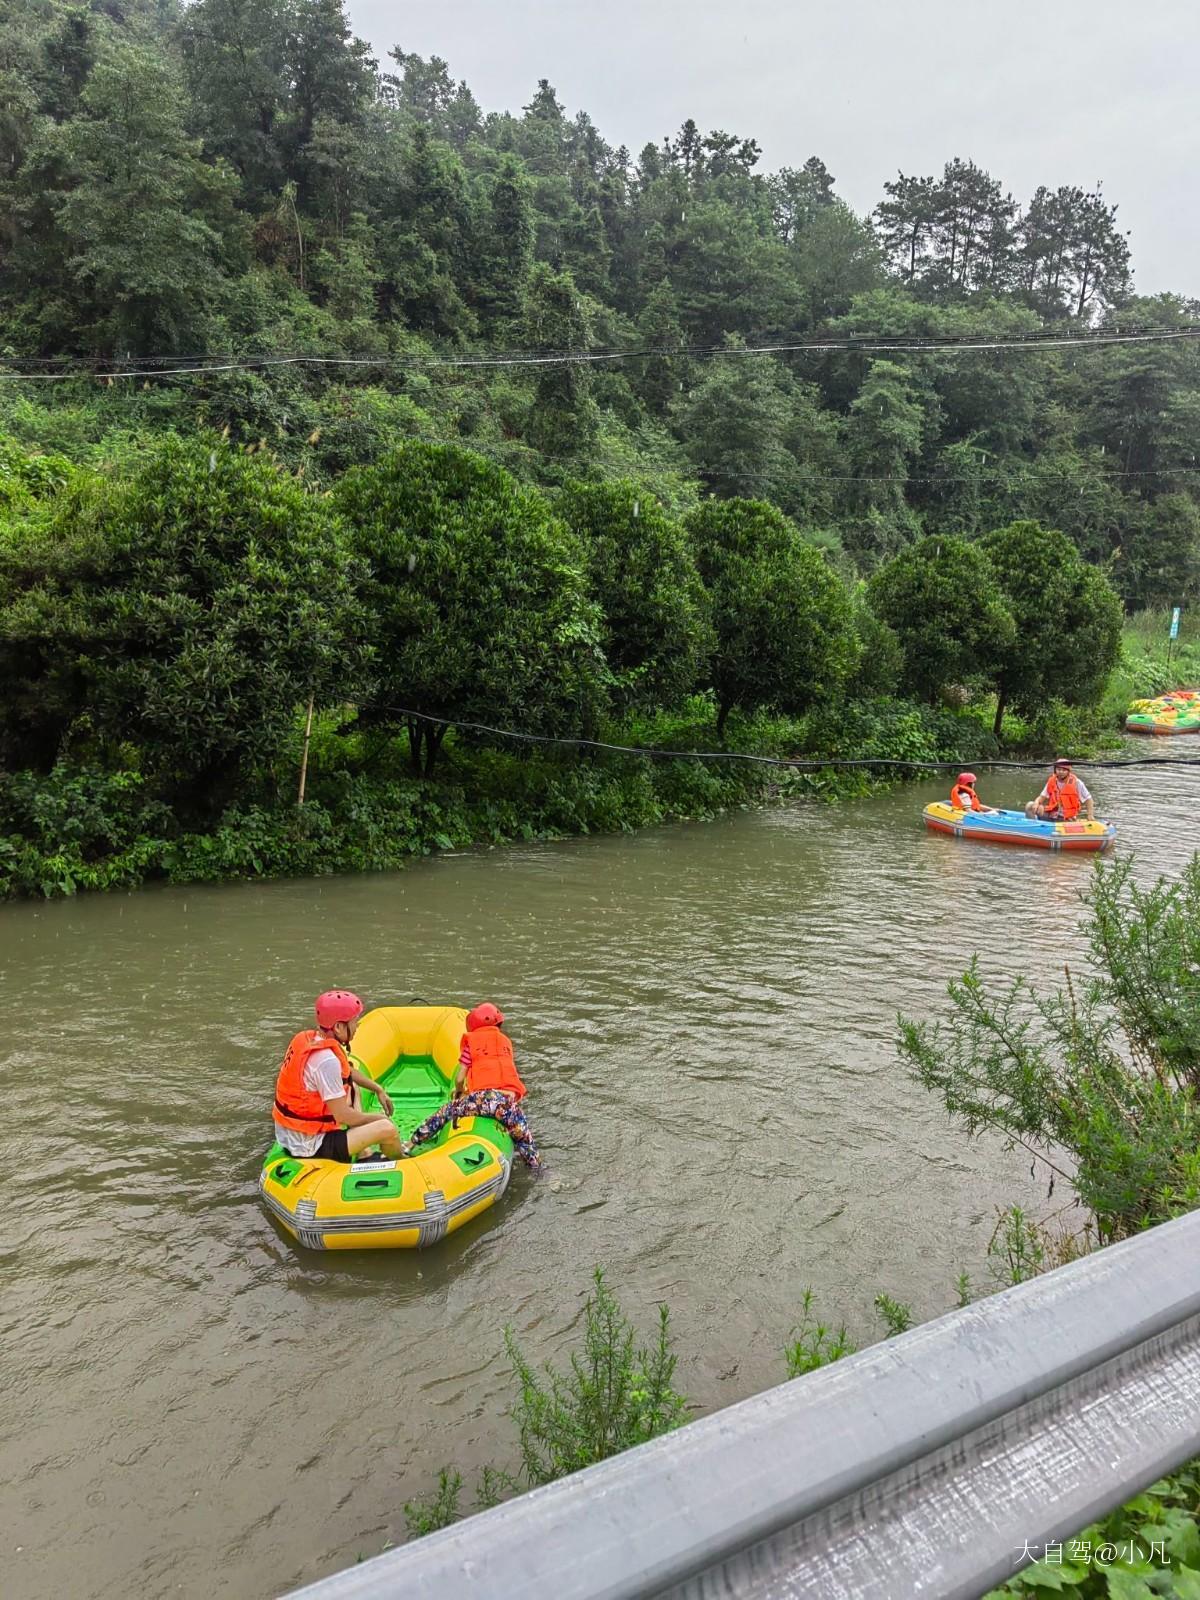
x: 416, y: 1086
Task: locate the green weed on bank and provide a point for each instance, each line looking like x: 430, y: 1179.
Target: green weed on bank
x: 612, y: 1394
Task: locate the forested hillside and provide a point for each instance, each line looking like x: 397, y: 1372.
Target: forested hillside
x: 241, y: 178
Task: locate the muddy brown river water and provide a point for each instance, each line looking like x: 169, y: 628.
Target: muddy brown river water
x: 705, y: 1014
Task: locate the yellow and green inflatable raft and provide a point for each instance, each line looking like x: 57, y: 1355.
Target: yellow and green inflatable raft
x: 412, y: 1053
x: 1177, y: 712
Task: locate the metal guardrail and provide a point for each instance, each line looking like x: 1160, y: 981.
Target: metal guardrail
x: 924, y: 1466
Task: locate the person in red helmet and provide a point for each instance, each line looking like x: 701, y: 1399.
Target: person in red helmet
x: 486, y: 1084
x: 1063, y: 798
x: 963, y: 796
x: 315, y: 1114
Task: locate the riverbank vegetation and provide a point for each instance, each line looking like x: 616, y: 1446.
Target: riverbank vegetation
x: 182, y: 634
x: 1098, y: 1079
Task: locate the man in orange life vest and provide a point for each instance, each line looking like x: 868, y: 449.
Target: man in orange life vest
x: 1063, y: 797
x: 315, y: 1114
x: 963, y: 795
x: 485, y: 1085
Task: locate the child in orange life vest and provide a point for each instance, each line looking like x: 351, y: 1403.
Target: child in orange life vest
x: 485, y: 1085
x: 964, y: 798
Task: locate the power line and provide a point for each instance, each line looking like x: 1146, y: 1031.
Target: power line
x: 1079, y: 336
x: 1054, y: 335
x: 146, y: 368
x: 995, y: 474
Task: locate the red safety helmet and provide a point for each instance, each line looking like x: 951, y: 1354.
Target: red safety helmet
x: 337, y: 1005
x: 966, y: 777
x: 484, y: 1016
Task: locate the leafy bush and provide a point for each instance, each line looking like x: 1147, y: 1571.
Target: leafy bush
x: 612, y: 1396
x: 26, y: 477
x: 85, y: 808
x: 354, y: 427
x: 1067, y: 617
x: 1148, y: 1547
x: 880, y: 658
x: 1016, y: 1250
x: 77, y: 829
x: 1107, y: 1069
x: 814, y: 1344
x: 427, y: 1516
x: 874, y: 729
x: 941, y: 600
x: 897, y: 1317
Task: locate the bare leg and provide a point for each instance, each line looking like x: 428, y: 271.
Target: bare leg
x: 382, y: 1132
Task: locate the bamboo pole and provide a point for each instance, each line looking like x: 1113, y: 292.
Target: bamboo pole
x: 304, y: 757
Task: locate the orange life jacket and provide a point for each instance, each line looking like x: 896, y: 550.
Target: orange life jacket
x: 965, y: 799
x: 492, y: 1065
x: 303, y: 1110
x: 1063, y: 797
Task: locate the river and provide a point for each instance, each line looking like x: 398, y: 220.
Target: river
x: 706, y: 1016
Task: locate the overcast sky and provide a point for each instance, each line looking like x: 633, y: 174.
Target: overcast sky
x: 1036, y: 91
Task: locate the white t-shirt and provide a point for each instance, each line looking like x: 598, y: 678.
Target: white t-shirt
x: 322, y: 1073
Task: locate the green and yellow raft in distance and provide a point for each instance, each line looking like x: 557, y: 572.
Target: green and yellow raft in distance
x: 1177, y: 712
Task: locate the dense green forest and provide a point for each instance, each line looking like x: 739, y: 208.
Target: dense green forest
x: 234, y: 177
x: 448, y: 413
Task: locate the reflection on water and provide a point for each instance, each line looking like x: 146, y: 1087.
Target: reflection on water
x: 705, y: 1015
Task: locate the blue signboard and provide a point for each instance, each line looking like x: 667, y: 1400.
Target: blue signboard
x: 1175, y: 623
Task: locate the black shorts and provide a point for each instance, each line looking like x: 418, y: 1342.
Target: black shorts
x: 333, y: 1147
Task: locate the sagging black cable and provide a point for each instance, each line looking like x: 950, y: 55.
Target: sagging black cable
x: 793, y: 762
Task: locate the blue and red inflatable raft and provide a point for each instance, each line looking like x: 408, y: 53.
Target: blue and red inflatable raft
x: 1014, y: 827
